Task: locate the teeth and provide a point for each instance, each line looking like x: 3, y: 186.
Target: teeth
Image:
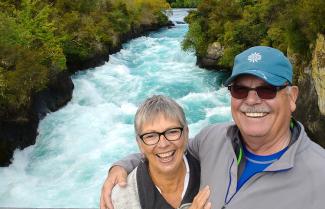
x: 255, y: 114
x: 166, y: 154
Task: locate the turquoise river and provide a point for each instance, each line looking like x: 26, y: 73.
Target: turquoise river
x: 77, y: 144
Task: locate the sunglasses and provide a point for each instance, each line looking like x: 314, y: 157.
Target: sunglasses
x: 263, y: 92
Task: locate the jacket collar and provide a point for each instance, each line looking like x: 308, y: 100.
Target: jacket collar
x: 298, y: 142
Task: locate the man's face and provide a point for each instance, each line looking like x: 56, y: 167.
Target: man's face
x: 263, y: 118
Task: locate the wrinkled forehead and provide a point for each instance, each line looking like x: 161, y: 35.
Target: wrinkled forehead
x: 249, y: 80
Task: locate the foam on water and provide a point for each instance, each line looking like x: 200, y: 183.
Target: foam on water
x: 76, y: 145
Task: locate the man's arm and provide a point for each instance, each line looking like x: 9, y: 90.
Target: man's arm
x: 195, y: 143
x: 129, y: 163
x: 193, y: 147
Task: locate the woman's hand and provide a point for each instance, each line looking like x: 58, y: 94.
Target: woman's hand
x: 201, y: 199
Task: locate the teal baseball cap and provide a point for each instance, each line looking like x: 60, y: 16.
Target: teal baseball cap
x: 267, y: 63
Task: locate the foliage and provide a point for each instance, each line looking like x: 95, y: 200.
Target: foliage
x: 28, y: 52
x: 26, y: 76
x: 239, y: 24
x: 38, y: 39
x: 195, y: 38
x: 184, y: 3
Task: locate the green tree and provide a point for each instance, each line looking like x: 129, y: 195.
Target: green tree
x: 184, y: 3
x: 38, y: 39
x: 241, y: 24
x: 30, y: 53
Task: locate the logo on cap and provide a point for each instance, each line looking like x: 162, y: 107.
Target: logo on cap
x: 254, y: 57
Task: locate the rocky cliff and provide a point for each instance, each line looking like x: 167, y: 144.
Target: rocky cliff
x: 210, y: 60
x: 100, y: 57
x: 20, y: 133
x: 310, y: 78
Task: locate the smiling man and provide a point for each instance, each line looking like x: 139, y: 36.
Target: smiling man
x: 263, y: 160
x: 262, y: 99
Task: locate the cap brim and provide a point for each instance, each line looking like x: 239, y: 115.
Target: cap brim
x: 266, y: 76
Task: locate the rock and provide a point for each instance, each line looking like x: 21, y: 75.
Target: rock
x: 180, y: 22
x: 311, y: 81
x: 214, y: 51
x: 210, y: 60
x: 16, y: 134
x: 307, y: 111
x: 58, y: 94
x: 318, y: 72
x: 20, y: 133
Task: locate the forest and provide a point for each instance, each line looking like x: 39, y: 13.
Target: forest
x: 39, y: 39
x: 238, y: 24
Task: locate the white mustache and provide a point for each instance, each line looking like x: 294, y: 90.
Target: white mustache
x: 254, y: 109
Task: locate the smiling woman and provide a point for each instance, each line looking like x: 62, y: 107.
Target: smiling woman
x: 167, y: 177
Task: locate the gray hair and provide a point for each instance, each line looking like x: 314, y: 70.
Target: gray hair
x: 158, y: 104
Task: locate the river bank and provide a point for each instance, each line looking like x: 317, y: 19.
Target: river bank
x: 19, y: 134
x: 76, y: 144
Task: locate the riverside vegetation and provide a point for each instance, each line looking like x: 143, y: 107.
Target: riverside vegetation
x: 184, y: 3
x: 42, y: 42
x: 220, y: 29
x: 239, y: 24
x: 39, y: 39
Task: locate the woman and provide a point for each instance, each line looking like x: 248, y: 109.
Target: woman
x: 168, y: 177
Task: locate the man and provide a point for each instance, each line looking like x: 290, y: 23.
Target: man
x: 264, y: 160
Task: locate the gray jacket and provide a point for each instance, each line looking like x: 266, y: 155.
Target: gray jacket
x: 296, y: 180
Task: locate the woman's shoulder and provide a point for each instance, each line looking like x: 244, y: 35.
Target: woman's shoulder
x: 127, y: 197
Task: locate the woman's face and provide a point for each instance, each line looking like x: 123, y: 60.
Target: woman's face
x: 165, y: 157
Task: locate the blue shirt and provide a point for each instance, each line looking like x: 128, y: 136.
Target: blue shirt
x: 256, y: 164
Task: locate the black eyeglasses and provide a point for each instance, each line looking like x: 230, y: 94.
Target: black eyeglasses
x: 153, y: 138
x: 263, y: 92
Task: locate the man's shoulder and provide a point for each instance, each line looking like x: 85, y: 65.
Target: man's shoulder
x: 313, y: 158
x: 316, y: 153
x: 311, y: 163
x: 309, y: 148
x: 217, y: 127
x: 215, y: 135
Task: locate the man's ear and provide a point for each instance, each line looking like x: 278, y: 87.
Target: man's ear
x: 293, y: 95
